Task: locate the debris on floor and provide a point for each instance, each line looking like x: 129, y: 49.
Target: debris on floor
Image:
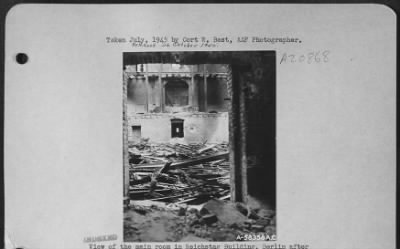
x: 178, y: 173
x: 181, y: 192
x: 216, y: 220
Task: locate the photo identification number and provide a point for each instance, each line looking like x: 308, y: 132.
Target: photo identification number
x: 309, y: 58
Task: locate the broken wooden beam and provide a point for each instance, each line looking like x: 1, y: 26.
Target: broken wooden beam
x: 209, y: 147
x: 185, y: 163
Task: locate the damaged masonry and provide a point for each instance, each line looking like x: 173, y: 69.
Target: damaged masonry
x: 189, y: 173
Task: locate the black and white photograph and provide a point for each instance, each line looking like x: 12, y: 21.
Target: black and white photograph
x: 200, y: 146
x: 200, y: 126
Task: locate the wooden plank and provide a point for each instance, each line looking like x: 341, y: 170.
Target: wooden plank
x: 225, y: 197
x: 209, y: 147
x: 205, y: 88
x: 185, y: 163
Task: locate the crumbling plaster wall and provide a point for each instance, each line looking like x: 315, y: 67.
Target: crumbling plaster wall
x: 217, y: 95
x: 198, y: 127
x: 137, y: 91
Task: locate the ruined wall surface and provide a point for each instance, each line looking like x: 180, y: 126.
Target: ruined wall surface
x: 198, y: 127
x: 217, y: 94
x: 151, y: 97
x: 154, y: 95
x: 136, y: 96
x: 137, y: 99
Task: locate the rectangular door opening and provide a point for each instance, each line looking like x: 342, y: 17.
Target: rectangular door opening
x: 136, y: 133
x: 176, y: 128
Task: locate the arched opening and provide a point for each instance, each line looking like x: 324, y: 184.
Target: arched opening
x: 176, y: 93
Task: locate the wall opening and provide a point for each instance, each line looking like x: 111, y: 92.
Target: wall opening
x: 176, y: 93
x: 136, y: 133
x: 176, y: 127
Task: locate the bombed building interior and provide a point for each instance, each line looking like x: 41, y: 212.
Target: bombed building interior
x: 199, y: 146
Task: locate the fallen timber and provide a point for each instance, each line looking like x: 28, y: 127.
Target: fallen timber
x: 185, y: 189
x: 185, y: 163
x: 177, y: 173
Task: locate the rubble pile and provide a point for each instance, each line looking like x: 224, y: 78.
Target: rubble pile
x: 148, y: 153
x: 181, y: 192
x: 216, y: 220
x: 178, y: 173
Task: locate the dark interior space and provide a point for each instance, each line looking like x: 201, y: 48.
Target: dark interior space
x: 202, y: 100
x: 177, y: 127
x: 261, y: 132
x: 136, y: 132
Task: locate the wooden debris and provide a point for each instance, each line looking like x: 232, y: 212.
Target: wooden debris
x: 206, y: 148
x: 186, y: 163
x: 191, y: 174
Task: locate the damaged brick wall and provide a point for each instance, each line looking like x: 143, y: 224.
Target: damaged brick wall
x: 198, y: 127
x: 154, y: 90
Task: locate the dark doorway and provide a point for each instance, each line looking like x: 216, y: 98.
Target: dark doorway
x: 136, y: 133
x: 176, y: 127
